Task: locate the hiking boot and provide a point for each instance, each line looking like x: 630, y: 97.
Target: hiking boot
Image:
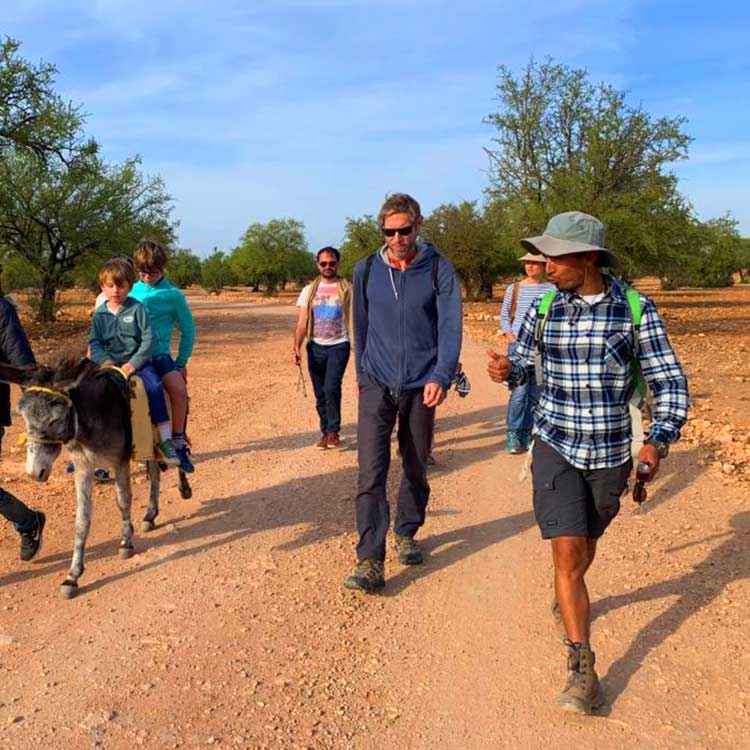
x: 183, y: 453
x: 334, y: 441
x: 166, y: 453
x: 513, y: 443
x: 31, y: 541
x: 582, y: 693
x: 367, y: 576
x: 322, y: 444
x: 408, y: 550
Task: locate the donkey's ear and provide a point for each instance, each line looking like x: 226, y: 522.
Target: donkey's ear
x: 75, y: 374
x: 19, y: 375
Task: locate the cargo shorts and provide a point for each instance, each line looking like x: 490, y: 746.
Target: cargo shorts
x: 574, y: 502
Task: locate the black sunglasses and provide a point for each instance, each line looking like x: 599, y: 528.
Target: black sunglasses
x: 328, y: 263
x: 401, y: 231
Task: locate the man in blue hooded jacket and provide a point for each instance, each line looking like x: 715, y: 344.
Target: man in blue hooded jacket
x: 407, y: 340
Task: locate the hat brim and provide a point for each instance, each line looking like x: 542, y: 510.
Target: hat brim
x: 531, y: 258
x: 552, y: 247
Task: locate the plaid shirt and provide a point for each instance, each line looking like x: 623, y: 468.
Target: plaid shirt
x: 582, y: 410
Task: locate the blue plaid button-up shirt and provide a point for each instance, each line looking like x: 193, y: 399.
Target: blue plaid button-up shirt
x: 582, y: 410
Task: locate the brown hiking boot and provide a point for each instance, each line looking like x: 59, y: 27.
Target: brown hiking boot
x: 367, y: 576
x: 408, y: 550
x: 322, y: 444
x: 334, y: 441
x: 582, y: 693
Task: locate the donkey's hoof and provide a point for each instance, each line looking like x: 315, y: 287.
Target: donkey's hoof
x: 68, y: 589
x: 186, y: 491
x: 147, y: 526
x: 126, y: 551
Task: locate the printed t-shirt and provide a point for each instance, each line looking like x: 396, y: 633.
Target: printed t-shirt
x: 329, y: 326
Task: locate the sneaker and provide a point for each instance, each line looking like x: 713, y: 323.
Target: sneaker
x: 524, y: 437
x: 31, y: 541
x: 513, y: 443
x: 183, y: 453
x: 322, y: 444
x: 166, y: 453
x: 334, y: 441
x: 582, y: 693
x: 368, y: 576
x: 408, y: 550
x: 102, y: 475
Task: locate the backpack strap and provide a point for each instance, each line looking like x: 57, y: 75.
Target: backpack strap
x: 542, y: 308
x: 366, y: 276
x: 514, y: 302
x: 634, y: 305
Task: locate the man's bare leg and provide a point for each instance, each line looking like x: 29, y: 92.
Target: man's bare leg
x: 176, y: 387
x: 572, y: 557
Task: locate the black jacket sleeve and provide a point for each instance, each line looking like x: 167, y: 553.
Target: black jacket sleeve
x: 14, y: 350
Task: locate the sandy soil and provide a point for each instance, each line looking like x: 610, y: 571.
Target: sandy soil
x: 230, y: 626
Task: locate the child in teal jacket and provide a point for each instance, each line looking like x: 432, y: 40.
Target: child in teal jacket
x: 168, y: 309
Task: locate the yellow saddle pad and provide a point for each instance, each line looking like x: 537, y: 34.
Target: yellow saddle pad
x: 145, y: 434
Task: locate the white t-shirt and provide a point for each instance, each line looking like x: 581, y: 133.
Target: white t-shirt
x: 329, y: 325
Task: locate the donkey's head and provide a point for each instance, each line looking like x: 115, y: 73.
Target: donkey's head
x: 47, y: 409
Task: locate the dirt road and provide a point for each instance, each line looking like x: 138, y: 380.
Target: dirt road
x: 230, y: 626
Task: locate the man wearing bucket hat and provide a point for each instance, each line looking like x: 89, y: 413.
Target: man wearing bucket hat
x: 519, y: 296
x: 581, y: 455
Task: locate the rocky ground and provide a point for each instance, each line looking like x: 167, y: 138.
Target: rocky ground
x: 230, y: 628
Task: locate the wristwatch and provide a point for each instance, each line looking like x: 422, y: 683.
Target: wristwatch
x: 662, y: 448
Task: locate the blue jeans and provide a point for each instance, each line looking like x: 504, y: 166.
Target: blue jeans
x: 327, y: 365
x: 520, y: 414
x: 157, y: 402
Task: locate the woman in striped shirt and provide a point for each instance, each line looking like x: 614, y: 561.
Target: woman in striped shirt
x: 519, y: 297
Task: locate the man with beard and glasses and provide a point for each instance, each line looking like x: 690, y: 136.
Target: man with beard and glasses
x: 324, y: 318
x: 407, y: 325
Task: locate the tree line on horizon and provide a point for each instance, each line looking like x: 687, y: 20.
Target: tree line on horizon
x: 559, y: 142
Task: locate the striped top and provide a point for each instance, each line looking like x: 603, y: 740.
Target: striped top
x: 583, y: 407
x: 527, y: 295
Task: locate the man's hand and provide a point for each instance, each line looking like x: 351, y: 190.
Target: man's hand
x: 649, y: 454
x: 434, y: 395
x: 498, y: 368
x: 509, y: 337
x: 296, y: 356
x: 128, y: 369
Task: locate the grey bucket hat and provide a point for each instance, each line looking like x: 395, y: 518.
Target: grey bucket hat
x: 572, y: 232
x: 531, y: 258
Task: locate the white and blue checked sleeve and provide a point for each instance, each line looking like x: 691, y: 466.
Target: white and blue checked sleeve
x: 664, y: 375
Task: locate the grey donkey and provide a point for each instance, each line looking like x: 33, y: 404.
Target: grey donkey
x: 85, y: 408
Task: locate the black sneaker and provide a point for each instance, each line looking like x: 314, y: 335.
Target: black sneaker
x: 31, y: 541
x: 367, y: 576
x: 408, y: 550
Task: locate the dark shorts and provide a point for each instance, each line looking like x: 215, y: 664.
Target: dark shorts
x: 574, y: 502
x: 163, y: 364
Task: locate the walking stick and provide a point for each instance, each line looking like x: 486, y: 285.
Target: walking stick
x: 301, y: 381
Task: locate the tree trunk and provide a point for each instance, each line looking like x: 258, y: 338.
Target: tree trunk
x: 45, y: 303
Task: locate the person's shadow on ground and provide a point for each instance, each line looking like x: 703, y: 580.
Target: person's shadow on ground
x: 728, y: 562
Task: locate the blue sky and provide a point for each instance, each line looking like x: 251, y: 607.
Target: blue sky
x: 315, y: 109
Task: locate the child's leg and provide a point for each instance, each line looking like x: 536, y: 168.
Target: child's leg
x: 156, y: 400
x: 176, y: 387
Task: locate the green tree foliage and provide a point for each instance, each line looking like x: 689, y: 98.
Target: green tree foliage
x: 466, y: 236
x: 216, y: 272
x: 563, y: 143
x: 184, y: 268
x: 62, y: 208
x: 362, y: 237
x: 32, y: 116
x: 271, y: 254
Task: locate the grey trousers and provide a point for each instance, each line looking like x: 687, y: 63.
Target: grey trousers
x: 378, y: 411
